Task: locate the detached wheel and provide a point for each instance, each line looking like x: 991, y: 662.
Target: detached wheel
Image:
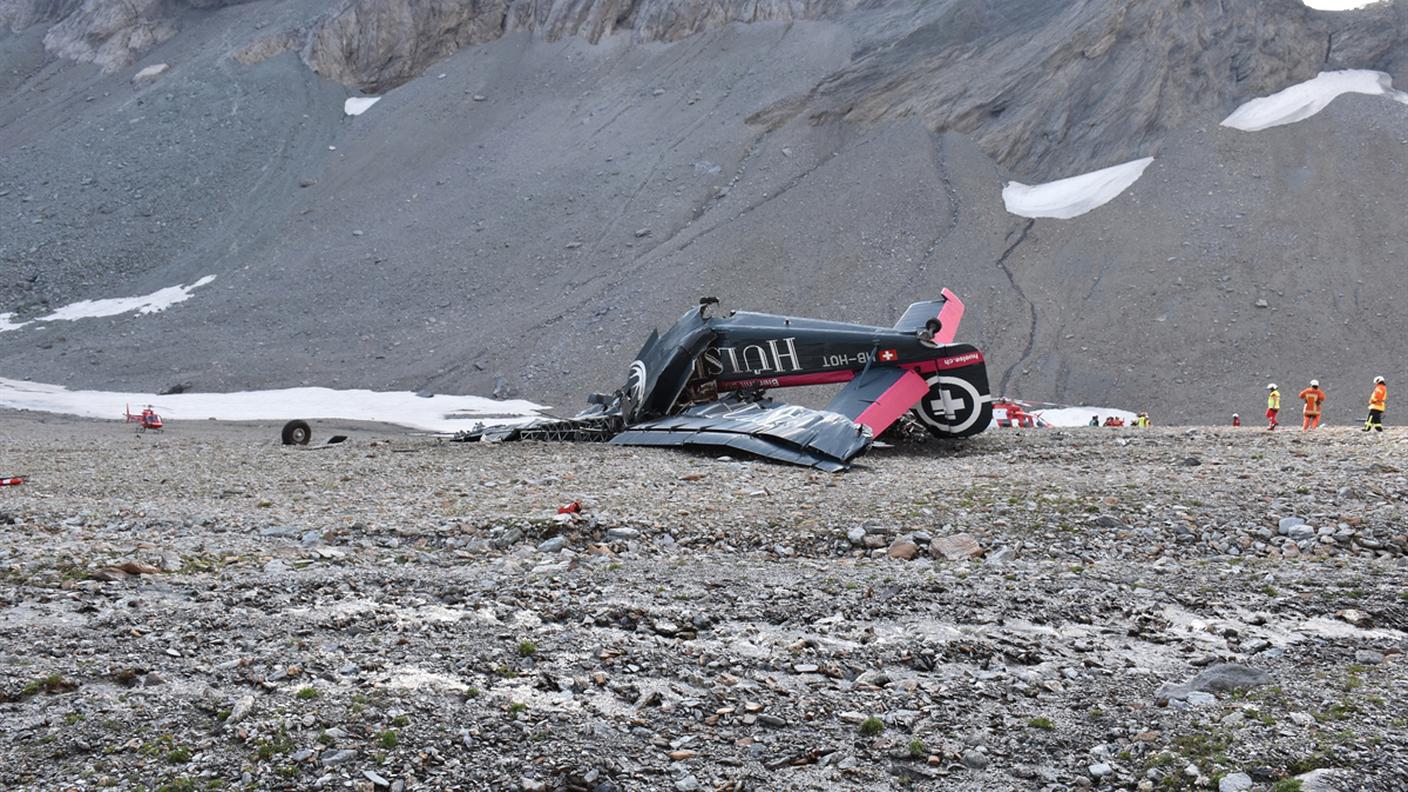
x: 296, y: 433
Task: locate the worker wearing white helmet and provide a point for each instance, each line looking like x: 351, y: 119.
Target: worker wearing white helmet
x: 1314, y: 399
x: 1378, y: 402
x: 1273, y: 406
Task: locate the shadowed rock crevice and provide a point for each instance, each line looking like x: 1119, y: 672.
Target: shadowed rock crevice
x: 1022, y: 296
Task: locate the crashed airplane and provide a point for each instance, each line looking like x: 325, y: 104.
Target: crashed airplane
x: 703, y: 384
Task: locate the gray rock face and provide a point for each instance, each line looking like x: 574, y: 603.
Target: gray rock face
x: 20, y: 14
x: 1323, y: 780
x: 1234, y: 782
x: 1219, y: 678
x: 975, y: 760
x: 110, y: 34
x: 335, y: 758
x: 1131, y: 71
x: 969, y: 70
x: 552, y: 545
x: 377, y: 44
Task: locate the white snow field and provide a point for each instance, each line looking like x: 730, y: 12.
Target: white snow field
x: 435, y: 414
x: 158, y: 300
x: 1067, y: 198
x: 1080, y: 416
x: 1303, y: 100
x: 356, y: 105
x: 1339, y: 5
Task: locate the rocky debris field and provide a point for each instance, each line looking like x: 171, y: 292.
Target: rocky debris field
x: 1109, y: 609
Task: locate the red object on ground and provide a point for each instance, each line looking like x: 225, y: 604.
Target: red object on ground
x: 11, y: 481
x: 1010, y: 414
x: 574, y: 507
x: 147, y: 419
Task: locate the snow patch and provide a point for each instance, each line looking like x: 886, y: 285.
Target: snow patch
x: 356, y: 105
x: 1080, y: 416
x: 154, y: 70
x: 1067, y: 198
x: 436, y: 414
x: 1339, y: 5
x: 158, y: 300
x: 1303, y: 100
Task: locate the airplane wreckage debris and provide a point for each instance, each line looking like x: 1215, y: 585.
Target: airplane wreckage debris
x: 702, y: 384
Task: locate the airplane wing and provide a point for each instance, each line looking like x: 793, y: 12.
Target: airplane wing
x: 878, y: 396
x: 785, y: 432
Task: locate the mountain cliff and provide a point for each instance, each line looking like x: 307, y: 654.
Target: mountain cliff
x: 540, y: 183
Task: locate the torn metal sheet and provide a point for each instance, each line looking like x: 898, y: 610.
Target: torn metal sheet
x: 785, y: 432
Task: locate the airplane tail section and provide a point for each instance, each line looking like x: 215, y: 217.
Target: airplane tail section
x: 938, y: 319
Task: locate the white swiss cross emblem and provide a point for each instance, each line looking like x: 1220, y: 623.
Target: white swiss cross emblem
x: 889, y: 356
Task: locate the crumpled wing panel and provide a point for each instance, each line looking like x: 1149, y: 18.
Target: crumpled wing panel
x: 785, y: 432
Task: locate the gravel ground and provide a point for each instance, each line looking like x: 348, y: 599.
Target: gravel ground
x: 207, y: 609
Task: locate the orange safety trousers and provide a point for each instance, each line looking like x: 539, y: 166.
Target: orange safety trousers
x: 1311, y: 422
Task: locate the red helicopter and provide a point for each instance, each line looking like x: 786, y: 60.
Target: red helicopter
x: 1010, y: 413
x: 147, y: 419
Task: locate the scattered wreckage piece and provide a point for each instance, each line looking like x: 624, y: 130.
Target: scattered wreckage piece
x: 702, y: 384
x: 785, y: 432
x: 12, y: 481
x: 299, y: 433
x: 296, y: 433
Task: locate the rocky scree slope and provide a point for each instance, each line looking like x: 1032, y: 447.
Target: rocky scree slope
x: 1128, y: 72
x: 1058, y: 610
x: 527, y: 217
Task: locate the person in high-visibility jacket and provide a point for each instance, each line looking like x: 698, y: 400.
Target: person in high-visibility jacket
x: 1273, y: 405
x: 1378, y: 402
x: 1314, y: 399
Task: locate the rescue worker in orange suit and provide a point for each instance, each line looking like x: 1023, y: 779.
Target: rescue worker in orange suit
x: 1236, y: 420
x: 1314, y: 398
x: 1273, y: 406
x: 1378, y: 402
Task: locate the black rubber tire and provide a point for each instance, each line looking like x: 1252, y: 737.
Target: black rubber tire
x: 296, y: 433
